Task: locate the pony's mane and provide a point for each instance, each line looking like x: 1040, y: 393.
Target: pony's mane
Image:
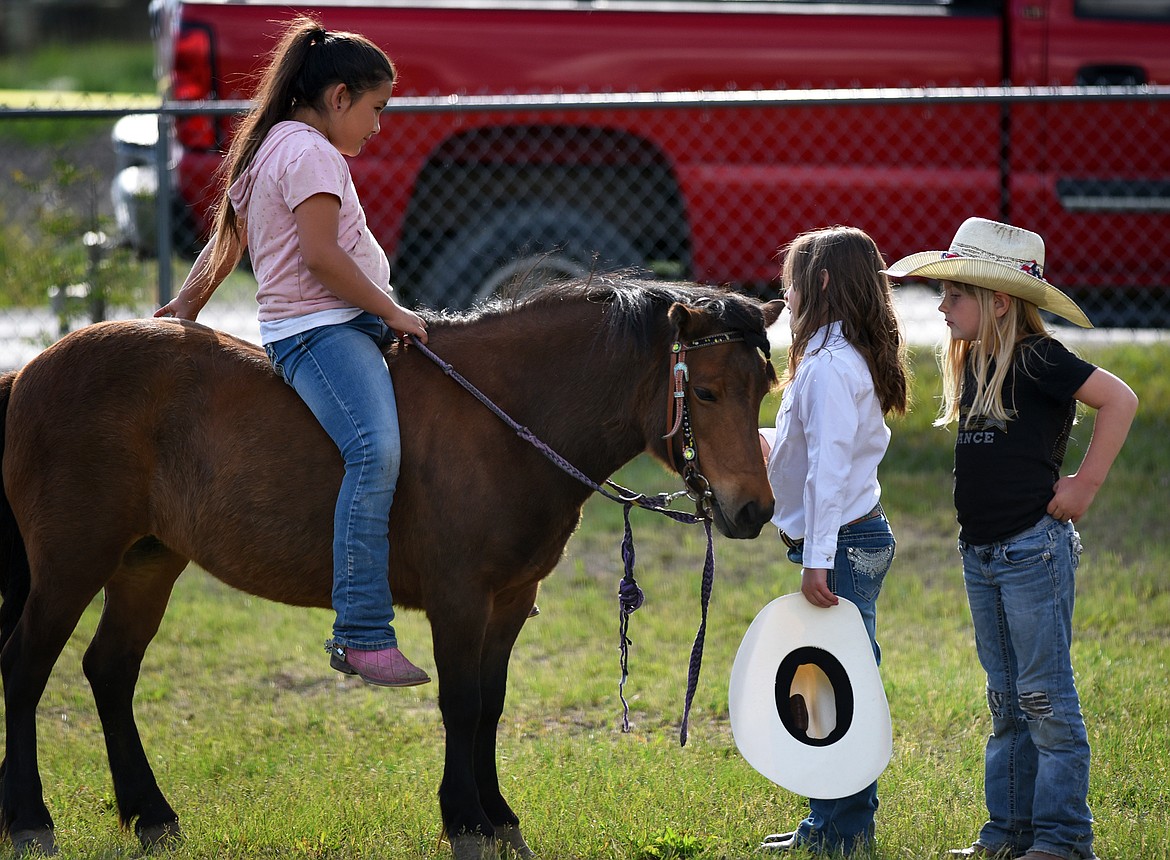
x: 636, y: 306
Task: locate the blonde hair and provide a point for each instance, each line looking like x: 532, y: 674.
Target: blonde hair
x: 858, y: 295
x: 988, y: 359
x: 306, y: 61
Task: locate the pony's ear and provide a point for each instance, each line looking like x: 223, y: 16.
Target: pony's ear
x: 772, y: 311
x: 680, y: 317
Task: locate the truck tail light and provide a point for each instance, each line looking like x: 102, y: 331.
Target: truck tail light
x: 192, y: 80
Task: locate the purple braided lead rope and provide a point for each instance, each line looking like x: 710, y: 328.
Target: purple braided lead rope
x: 630, y: 595
x: 700, y: 636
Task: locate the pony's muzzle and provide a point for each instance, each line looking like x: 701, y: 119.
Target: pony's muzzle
x: 747, y: 522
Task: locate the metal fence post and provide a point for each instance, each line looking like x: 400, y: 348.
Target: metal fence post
x: 162, y: 204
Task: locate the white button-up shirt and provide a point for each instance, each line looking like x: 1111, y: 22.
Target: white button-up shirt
x: 830, y: 437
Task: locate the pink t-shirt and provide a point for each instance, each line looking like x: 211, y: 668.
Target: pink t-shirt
x: 294, y: 162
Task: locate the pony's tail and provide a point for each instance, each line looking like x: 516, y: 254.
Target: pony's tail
x: 14, y: 575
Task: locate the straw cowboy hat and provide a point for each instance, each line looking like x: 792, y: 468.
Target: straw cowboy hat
x: 807, y: 705
x: 996, y: 256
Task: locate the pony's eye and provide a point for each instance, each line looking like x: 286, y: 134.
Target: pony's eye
x: 705, y: 394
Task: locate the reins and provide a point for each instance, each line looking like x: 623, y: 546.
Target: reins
x: 630, y: 596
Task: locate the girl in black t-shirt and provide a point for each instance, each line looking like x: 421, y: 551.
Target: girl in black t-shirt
x: 1012, y: 390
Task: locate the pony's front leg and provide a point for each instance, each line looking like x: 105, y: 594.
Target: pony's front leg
x: 458, y: 641
x: 503, y: 629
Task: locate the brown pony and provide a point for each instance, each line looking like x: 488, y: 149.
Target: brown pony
x: 131, y: 448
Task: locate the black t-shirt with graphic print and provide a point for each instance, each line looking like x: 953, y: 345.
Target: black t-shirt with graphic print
x: 1005, y: 471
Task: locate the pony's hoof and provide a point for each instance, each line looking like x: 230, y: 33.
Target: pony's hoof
x: 159, y: 836
x: 511, y: 843
x: 34, y: 843
x: 473, y: 846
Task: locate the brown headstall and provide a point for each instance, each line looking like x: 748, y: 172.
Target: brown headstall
x: 678, y: 417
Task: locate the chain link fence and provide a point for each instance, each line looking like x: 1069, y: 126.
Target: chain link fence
x: 471, y: 194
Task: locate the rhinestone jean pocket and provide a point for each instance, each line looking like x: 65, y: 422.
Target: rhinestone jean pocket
x: 869, y: 568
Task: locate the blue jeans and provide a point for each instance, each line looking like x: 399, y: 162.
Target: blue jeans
x: 340, y: 373
x: 865, y: 552
x: 1021, y: 591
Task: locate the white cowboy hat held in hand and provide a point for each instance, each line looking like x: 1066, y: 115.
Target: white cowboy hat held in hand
x: 806, y: 701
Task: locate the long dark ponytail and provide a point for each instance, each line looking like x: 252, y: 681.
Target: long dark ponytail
x: 305, y: 63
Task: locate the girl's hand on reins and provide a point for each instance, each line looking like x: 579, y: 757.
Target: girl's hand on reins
x: 405, y: 321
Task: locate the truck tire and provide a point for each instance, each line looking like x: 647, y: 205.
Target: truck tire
x: 513, y: 249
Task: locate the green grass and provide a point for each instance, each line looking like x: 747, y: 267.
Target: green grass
x: 96, y: 67
x: 265, y: 752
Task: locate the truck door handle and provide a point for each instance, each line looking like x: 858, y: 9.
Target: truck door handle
x: 1110, y: 75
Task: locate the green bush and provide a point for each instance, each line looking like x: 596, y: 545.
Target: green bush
x: 63, y: 242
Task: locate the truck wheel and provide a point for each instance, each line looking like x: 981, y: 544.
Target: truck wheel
x: 514, y: 249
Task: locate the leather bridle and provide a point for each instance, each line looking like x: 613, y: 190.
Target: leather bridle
x: 678, y: 417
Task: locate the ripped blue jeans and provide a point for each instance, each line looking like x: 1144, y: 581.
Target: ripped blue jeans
x: 1021, y: 593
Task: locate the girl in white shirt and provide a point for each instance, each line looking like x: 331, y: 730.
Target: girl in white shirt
x: 846, y: 371
x: 326, y: 309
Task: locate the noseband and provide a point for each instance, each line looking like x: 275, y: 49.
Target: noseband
x: 678, y: 417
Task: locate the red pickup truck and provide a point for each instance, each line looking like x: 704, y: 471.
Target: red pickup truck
x: 463, y: 198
